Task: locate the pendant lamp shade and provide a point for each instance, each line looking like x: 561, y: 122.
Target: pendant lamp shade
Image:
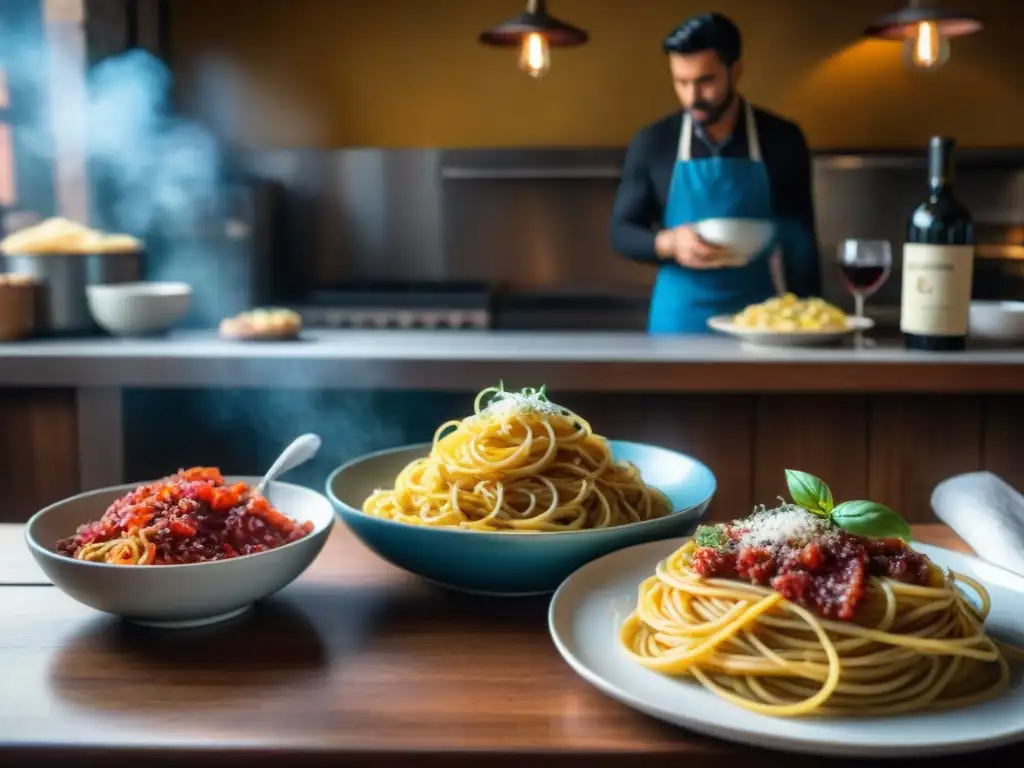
x: 534, y: 21
x: 903, y: 23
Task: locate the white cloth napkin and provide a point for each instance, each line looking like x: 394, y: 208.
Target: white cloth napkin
x: 987, y: 513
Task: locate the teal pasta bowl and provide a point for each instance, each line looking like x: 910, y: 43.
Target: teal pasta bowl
x: 512, y: 563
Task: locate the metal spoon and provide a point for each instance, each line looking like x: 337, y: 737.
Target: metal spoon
x: 301, y: 450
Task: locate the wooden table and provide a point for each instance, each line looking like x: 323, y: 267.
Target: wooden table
x: 354, y: 663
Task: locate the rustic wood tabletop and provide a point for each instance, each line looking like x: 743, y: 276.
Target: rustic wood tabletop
x: 354, y: 663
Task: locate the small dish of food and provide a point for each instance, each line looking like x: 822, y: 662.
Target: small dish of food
x: 60, y: 236
x: 787, y: 321
x: 512, y: 498
x: 189, y: 549
x: 262, y: 325
x: 814, y: 626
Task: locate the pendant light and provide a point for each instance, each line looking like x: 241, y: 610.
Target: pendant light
x: 535, y: 32
x: 925, y: 31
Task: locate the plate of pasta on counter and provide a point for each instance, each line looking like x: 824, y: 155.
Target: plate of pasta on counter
x: 788, y: 321
x: 810, y: 626
x: 512, y: 497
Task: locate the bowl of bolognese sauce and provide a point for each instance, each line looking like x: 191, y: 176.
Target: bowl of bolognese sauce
x: 189, y: 549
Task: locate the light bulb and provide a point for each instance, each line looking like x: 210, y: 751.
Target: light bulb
x: 926, y: 48
x: 535, y: 55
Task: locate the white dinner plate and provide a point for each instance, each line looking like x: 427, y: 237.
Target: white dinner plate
x: 588, y: 609
x: 767, y: 338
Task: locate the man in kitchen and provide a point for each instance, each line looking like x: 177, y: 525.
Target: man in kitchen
x: 716, y: 158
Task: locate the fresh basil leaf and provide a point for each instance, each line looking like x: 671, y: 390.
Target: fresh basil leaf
x: 868, y: 518
x: 710, y: 536
x: 809, y: 492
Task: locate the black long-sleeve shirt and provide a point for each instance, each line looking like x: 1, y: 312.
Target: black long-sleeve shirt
x: 637, y: 213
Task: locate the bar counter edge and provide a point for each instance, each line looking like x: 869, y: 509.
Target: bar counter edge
x: 468, y: 361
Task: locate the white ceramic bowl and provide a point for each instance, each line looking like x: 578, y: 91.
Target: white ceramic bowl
x: 745, y: 238
x: 997, y: 321
x: 176, y: 595
x: 138, y: 309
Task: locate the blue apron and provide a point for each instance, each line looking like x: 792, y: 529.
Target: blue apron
x: 712, y: 188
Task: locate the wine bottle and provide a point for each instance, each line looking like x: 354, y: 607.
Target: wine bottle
x: 938, y: 261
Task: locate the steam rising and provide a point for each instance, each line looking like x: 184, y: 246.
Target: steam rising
x: 160, y: 169
x: 242, y: 430
x: 156, y: 175
x: 150, y: 169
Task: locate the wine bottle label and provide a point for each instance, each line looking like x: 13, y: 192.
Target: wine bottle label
x: 936, y: 289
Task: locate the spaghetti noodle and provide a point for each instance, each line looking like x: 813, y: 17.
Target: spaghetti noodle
x: 189, y: 517
x: 520, y: 463
x: 787, y: 614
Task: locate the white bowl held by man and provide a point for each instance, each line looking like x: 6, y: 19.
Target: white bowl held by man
x: 177, y: 595
x: 743, y: 238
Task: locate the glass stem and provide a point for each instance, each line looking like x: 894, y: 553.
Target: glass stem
x: 858, y: 303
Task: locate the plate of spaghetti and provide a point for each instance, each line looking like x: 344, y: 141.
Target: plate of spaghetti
x: 512, y: 498
x: 187, y: 549
x: 811, y: 626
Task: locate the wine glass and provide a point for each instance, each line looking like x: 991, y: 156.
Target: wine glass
x: 865, y: 266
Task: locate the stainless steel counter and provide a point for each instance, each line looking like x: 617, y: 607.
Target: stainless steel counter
x: 466, y: 360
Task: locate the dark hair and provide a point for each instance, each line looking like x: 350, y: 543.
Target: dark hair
x: 707, y: 32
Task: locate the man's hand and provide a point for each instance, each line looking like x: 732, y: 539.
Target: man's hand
x: 686, y: 248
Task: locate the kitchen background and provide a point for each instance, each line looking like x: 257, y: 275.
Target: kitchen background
x: 384, y: 168
x: 402, y: 73
x: 403, y: 154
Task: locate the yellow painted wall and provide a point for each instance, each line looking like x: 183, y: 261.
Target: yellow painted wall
x: 410, y: 73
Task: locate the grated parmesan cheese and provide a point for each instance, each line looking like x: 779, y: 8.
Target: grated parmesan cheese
x: 510, y: 403
x: 779, y: 526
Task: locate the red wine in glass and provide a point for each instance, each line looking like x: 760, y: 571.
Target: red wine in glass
x: 864, y: 279
x: 864, y: 265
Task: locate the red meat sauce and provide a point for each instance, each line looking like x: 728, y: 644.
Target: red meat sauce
x: 192, y: 517
x: 827, y: 574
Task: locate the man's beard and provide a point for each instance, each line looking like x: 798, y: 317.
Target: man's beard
x: 715, y: 112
